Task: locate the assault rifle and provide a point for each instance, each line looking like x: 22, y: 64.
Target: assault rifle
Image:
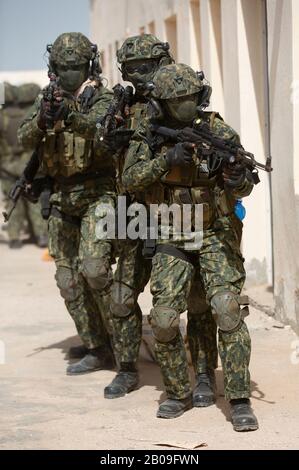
x: 53, y: 94
x: 21, y: 185
x: 212, y: 148
x: 118, y: 108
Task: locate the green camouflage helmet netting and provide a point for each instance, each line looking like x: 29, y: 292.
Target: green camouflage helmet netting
x: 71, y: 48
x: 174, y: 81
x: 27, y: 93
x: 145, y: 46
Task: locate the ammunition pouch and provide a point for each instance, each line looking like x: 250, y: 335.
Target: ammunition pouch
x: 66, y: 154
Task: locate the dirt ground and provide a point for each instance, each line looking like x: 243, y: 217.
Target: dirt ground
x: 42, y: 408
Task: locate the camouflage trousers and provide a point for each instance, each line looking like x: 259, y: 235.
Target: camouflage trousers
x: 83, y: 262
x: 221, y: 269
x: 130, y: 278
x: 25, y: 215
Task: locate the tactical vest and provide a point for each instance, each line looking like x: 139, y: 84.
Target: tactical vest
x: 65, y: 153
x: 191, y: 185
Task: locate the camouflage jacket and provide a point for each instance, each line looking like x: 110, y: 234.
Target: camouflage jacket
x: 137, y: 112
x: 146, y: 173
x: 69, y: 149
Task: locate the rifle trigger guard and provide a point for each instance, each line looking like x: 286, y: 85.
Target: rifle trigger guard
x: 214, y: 162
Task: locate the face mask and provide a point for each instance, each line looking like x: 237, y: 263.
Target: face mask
x: 72, y: 78
x: 183, y: 109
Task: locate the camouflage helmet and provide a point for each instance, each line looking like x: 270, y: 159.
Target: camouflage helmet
x: 27, y: 93
x: 144, y: 46
x: 10, y: 93
x: 71, y: 48
x: 175, y: 80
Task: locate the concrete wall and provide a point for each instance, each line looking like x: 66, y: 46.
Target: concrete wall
x: 283, y: 69
x: 253, y: 75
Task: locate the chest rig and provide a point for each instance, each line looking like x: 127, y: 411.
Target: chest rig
x: 193, y: 184
x: 64, y: 152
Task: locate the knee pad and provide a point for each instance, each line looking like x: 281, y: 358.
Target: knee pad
x: 68, y: 283
x: 165, y: 322
x: 226, y: 308
x: 97, y: 273
x: 122, y: 300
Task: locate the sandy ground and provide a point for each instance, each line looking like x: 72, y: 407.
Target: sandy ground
x: 42, y: 408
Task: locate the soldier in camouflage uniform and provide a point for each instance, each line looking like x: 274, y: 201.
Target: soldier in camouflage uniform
x: 139, y: 58
x: 157, y: 167
x: 82, y: 178
x: 13, y: 158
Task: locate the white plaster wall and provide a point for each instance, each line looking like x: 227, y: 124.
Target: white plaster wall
x: 232, y: 56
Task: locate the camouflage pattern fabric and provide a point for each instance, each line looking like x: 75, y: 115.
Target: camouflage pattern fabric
x: 142, y: 47
x: 134, y: 271
x: 130, y: 278
x: 133, y: 274
x: 13, y: 159
x: 83, y: 263
x: 221, y: 268
x: 201, y: 328
x: 71, y: 47
x: 175, y: 80
x: 70, y: 245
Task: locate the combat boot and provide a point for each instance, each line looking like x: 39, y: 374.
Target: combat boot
x: 15, y: 244
x: 172, y: 408
x: 96, y: 359
x: 125, y: 381
x: 204, y: 393
x: 242, y: 415
x: 42, y: 241
x: 77, y: 352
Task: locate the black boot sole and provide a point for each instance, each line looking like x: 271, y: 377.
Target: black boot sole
x: 164, y: 415
x: 85, y: 372
x: 119, y: 395
x: 246, y: 427
x: 203, y: 404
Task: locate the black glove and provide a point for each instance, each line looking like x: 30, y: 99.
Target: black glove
x: 180, y: 154
x: 50, y: 113
x: 234, y: 174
